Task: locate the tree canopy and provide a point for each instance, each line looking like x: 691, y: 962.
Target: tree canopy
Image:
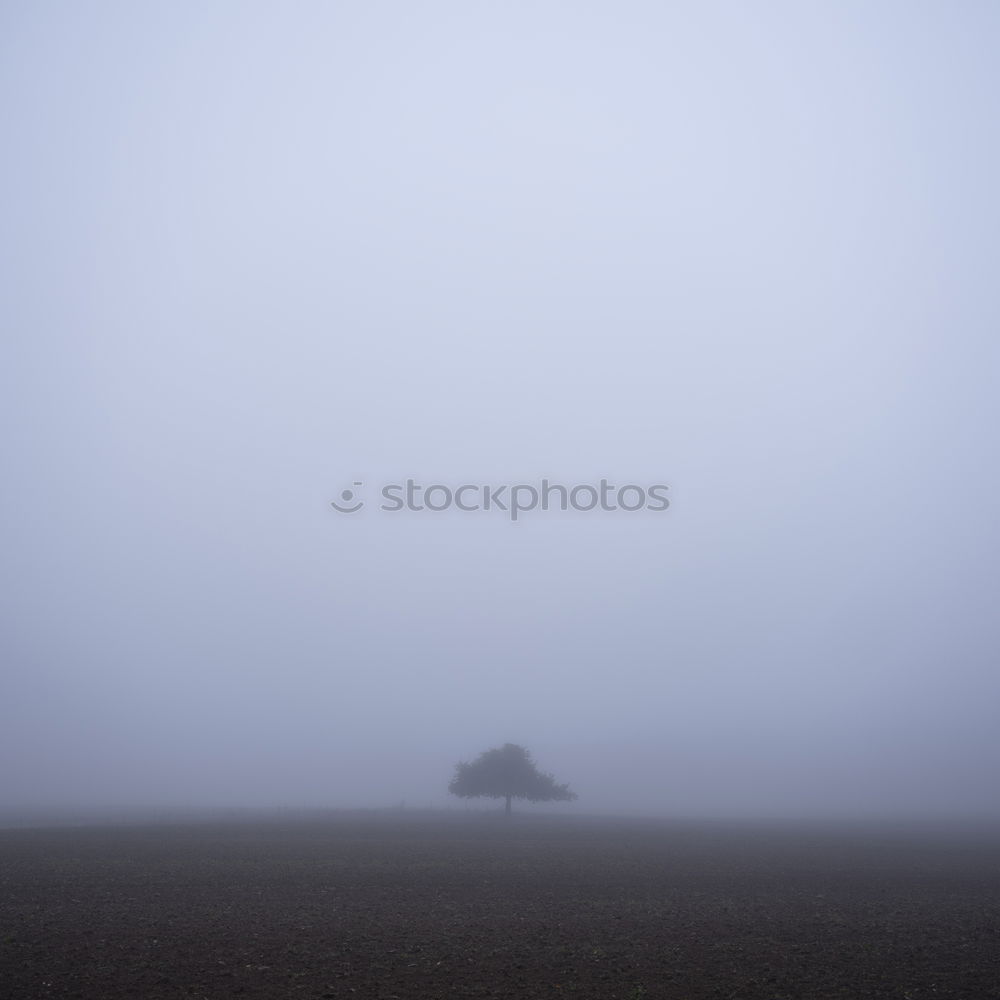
x: 507, y: 772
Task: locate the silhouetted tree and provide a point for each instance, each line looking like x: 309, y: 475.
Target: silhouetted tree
x: 507, y: 772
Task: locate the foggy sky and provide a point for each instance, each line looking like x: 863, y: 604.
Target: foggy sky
x: 254, y: 253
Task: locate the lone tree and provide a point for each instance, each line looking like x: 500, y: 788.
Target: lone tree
x: 507, y: 772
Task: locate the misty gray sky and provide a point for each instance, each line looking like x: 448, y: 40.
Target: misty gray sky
x: 256, y: 252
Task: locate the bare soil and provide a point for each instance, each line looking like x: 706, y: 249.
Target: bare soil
x: 435, y: 905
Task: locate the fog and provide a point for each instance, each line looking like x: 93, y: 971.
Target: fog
x: 257, y: 254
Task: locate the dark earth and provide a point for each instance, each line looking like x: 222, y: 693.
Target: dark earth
x: 399, y: 905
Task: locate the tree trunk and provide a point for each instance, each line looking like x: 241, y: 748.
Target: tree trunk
x: 507, y: 810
